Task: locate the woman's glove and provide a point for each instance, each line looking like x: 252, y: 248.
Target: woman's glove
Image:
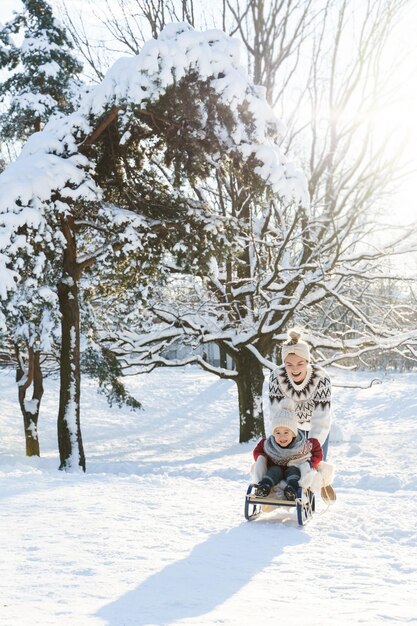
x: 310, y: 479
x: 326, y: 471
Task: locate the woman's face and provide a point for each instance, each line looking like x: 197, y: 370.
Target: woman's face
x: 296, y: 367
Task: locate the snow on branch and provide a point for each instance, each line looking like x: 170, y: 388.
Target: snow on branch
x: 52, y: 173
x: 353, y: 349
x: 214, y: 57
x: 265, y: 362
x: 146, y: 366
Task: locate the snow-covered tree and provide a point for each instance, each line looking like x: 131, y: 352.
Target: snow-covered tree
x: 117, y: 183
x: 312, y: 266
x: 41, y: 70
x: 32, y: 325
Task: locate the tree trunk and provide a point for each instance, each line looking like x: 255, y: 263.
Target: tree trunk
x: 30, y: 409
x: 249, y: 384
x: 223, y: 357
x: 70, y: 443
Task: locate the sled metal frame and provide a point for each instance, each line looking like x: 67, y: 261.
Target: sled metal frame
x: 305, y: 503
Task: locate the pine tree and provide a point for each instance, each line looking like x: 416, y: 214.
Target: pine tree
x: 41, y: 70
x: 36, y: 56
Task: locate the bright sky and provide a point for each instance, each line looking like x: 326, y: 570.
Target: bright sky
x: 401, y: 118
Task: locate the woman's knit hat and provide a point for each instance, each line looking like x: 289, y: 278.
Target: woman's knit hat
x: 294, y: 345
x: 285, y: 416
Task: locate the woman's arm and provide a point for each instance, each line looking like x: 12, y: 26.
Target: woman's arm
x: 321, y: 418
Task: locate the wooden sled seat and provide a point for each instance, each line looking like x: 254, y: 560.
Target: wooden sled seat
x: 272, y: 499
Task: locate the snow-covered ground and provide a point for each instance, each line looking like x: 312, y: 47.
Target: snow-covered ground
x: 154, y: 532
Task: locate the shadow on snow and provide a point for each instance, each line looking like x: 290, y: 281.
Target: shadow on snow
x: 212, y: 573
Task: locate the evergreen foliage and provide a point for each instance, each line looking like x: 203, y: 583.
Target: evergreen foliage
x: 103, y: 365
x: 37, y: 54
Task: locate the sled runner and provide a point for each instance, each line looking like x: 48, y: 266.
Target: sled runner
x: 305, y: 504
x: 328, y: 494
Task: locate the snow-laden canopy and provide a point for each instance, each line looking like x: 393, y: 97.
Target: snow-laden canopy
x: 51, y: 172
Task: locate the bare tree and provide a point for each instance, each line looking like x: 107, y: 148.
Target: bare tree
x: 274, y: 34
x: 126, y: 26
x: 315, y: 266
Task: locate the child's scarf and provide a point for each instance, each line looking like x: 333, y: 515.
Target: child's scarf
x: 299, y: 449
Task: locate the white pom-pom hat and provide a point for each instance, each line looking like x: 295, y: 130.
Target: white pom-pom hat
x: 295, y: 345
x: 285, y: 417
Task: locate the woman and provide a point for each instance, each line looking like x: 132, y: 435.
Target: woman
x: 307, y: 385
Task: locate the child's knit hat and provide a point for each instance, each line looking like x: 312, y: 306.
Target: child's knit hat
x: 295, y: 345
x: 285, y: 416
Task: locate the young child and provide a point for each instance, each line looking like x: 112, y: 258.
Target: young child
x: 289, y: 455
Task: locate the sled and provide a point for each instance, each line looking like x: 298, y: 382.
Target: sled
x: 305, y: 504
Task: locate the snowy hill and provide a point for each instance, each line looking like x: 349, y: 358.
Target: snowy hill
x: 154, y: 533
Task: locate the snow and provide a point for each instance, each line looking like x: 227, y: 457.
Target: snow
x: 40, y: 43
x: 31, y: 406
x: 37, y: 103
x: 154, y: 533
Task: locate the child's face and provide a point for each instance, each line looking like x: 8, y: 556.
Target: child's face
x: 283, y: 436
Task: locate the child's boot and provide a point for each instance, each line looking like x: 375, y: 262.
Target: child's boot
x: 290, y: 492
x: 263, y: 488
